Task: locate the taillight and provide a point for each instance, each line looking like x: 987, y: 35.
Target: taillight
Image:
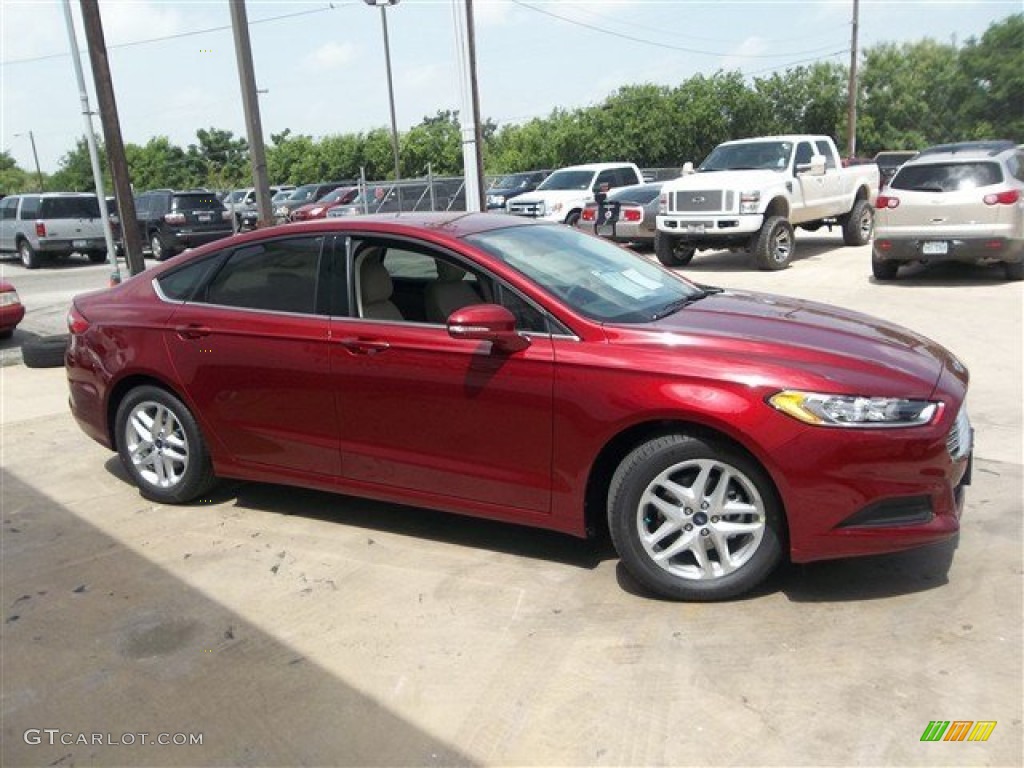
x: 1009, y: 197
x: 887, y: 201
x: 589, y: 214
x: 883, y: 245
x: 77, y: 323
x: 40, y: 229
x: 174, y: 218
x: 632, y: 214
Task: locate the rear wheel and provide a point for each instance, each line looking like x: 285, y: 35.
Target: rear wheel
x: 97, y: 257
x: 161, y: 447
x: 773, y: 248
x: 1014, y: 270
x: 884, y: 269
x: 859, y: 225
x: 572, y: 218
x: 672, y: 251
x: 157, y: 247
x: 693, y: 519
x: 27, y: 254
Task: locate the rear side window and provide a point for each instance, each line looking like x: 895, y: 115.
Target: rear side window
x: 279, y: 276
x: 180, y: 284
x: 70, y: 208
x: 197, y: 202
x: 29, y: 208
x: 8, y: 208
x: 947, y: 177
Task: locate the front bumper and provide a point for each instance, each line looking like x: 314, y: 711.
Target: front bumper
x: 709, y: 227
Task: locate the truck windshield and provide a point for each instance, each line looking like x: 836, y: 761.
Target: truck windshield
x: 564, y: 180
x: 749, y: 156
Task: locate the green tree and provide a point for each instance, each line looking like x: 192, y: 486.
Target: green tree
x: 219, y: 159
x: 74, y: 173
x: 158, y: 164
x: 12, y: 178
x: 993, y: 72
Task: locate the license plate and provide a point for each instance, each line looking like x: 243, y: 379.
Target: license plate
x: 205, y: 217
x: 605, y: 230
x: 935, y: 248
x: 696, y: 229
x: 79, y: 243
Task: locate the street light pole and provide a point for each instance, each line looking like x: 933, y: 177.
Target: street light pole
x: 383, y: 4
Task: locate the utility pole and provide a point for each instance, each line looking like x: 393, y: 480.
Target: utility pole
x: 251, y: 105
x: 90, y: 138
x: 130, y: 234
x: 478, y: 138
x: 851, y: 103
x: 35, y: 156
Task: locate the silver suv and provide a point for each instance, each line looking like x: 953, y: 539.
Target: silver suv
x: 954, y: 202
x: 52, y: 224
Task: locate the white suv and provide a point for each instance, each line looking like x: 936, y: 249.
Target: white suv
x: 52, y: 224
x: 565, y: 193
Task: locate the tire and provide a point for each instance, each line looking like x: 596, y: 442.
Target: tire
x: 161, y: 447
x: 157, y: 247
x: 884, y: 269
x: 671, y: 251
x: 572, y: 218
x: 6, y: 334
x: 860, y: 224
x: 773, y: 248
x: 29, y: 258
x: 1014, y: 270
x: 45, y: 352
x: 97, y: 257
x: 675, y: 481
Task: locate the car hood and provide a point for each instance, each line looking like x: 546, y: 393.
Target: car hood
x: 554, y: 195
x: 779, y: 341
x: 739, y: 180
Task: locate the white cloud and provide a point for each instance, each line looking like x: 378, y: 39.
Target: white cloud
x: 330, y: 56
x: 492, y: 13
x: 128, y: 22
x: 740, y: 56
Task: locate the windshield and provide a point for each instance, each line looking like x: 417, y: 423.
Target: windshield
x: 303, y: 194
x: 235, y: 197
x: 563, y: 180
x: 512, y: 181
x: 749, y: 156
x: 594, y: 277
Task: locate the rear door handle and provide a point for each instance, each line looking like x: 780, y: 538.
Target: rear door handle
x: 192, y: 331
x: 363, y: 346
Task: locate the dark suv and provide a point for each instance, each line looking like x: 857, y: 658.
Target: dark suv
x: 508, y: 186
x: 173, y: 221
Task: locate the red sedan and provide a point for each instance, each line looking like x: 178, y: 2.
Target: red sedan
x: 527, y: 372
x: 11, y: 310
x: 319, y: 209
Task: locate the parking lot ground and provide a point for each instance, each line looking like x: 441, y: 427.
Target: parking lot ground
x: 288, y: 627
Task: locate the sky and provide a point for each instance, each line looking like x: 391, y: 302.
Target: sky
x: 321, y: 64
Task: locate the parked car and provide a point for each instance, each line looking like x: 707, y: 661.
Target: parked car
x: 11, y: 309
x: 386, y: 198
x: 953, y: 202
x: 307, y: 193
x: 564, y: 194
x: 172, y: 221
x: 319, y: 209
x: 889, y: 162
x: 242, y: 203
x: 512, y: 185
x: 52, y: 225
x: 530, y: 373
x: 626, y: 215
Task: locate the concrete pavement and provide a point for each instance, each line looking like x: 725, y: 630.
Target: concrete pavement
x: 287, y: 627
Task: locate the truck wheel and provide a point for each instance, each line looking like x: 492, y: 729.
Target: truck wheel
x: 884, y: 269
x: 859, y: 225
x: 572, y: 218
x: 773, y: 249
x: 671, y: 251
x: 27, y: 254
x: 97, y: 257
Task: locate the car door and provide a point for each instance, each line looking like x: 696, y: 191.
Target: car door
x: 8, y: 210
x: 832, y: 192
x: 250, y: 347
x: 811, y: 187
x: 424, y: 412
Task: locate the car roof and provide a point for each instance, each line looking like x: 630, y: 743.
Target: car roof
x: 454, y: 224
x: 593, y: 166
x: 965, y: 150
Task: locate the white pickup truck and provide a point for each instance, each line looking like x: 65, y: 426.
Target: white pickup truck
x: 749, y: 194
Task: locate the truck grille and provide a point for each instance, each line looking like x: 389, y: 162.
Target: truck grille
x: 959, y: 439
x: 534, y: 209
x: 703, y: 201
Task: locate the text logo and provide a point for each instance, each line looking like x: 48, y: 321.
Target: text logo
x: 958, y: 730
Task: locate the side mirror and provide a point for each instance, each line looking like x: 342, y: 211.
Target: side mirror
x: 814, y: 168
x: 687, y: 168
x: 487, y: 322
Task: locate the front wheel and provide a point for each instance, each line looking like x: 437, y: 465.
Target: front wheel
x: 693, y: 519
x: 773, y: 246
x: 672, y: 251
x: 161, y: 447
x: 859, y: 224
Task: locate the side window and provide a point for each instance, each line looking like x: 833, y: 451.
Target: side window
x: 142, y: 207
x: 627, y: 177
x: 824, y: 149
x: 8, y: 208
x: 29, y: 208
x: 278, y: 276
x: 181, y: 284
x: 1015, y: 166
x: 804, y: 153
x: 528, y: 317
x: 605, y: 177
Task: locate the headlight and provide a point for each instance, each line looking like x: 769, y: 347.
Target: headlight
x: 316, y: 211
x: 749, y: 201
x: 853, y: 411
x: 282, y: 211
x: 495, y: 199
x: 9, y: 298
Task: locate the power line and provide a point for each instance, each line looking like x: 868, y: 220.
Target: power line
x: 656, y: 44
x: 191, y: 33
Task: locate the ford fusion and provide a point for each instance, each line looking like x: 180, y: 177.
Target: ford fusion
x: 493, y: 366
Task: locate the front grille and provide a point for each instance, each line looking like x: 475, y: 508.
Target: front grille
x: 703, y: 201
x: 960, y: 437
x: 527, y: 209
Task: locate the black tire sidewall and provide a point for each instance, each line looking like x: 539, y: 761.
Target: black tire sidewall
x: 852, y: 234
x: 27, y: 255
x: 665, y: 248
x: 764, y: 251
x: 198, y: 475
x: 632, y: 478
x: 45, y: 352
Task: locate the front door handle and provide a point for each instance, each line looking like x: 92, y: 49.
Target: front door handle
x: 363, y: 346
x: 192, y: 331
